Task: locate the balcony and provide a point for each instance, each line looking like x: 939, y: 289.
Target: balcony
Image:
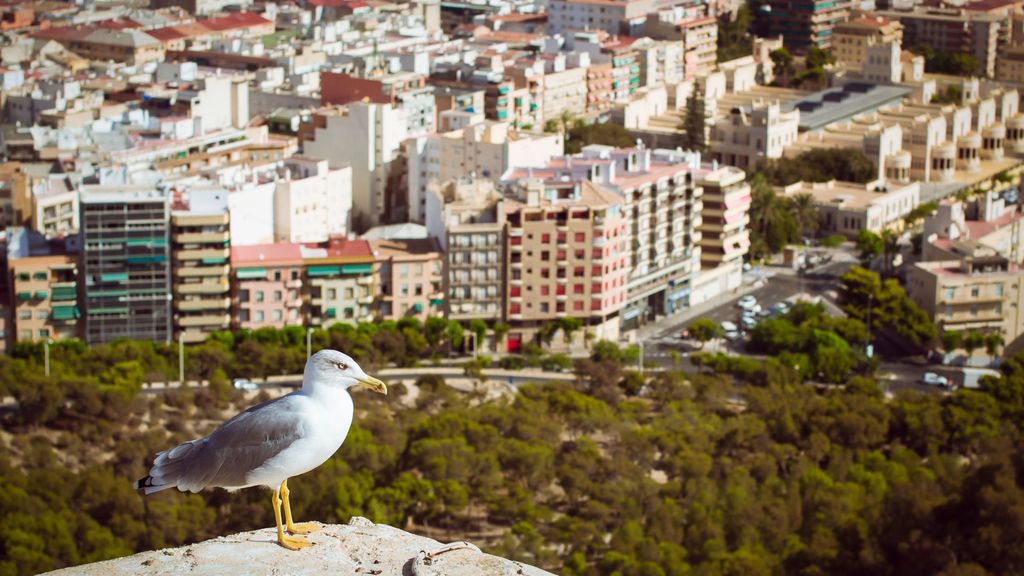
x: 216, y: 320
x: 202, y: 237
x: 365, y: 280
x: 297, y: 283
x: 202, y: 304
x: 198, y: 271
x: 208, y: 253
x: 365, y: 299
x: 296, y: 303
x: 202, y: 288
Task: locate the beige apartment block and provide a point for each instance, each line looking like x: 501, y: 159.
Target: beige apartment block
x: 411, y: 278
x: 566, y: 257
x: 851, y: 39
x: 44, y: 298
x: 982, y: 293
x: 201, y: 268
x: 952, y: 29
x: 724, y: 232
x: 748, y: 137
x: 341, y: 284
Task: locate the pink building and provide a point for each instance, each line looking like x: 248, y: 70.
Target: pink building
x: 266, y: 283
x: 411, y: 276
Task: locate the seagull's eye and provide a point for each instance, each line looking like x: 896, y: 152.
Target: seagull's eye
x: 341, y: 366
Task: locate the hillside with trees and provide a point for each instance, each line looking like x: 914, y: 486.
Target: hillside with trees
x: 742, y: 468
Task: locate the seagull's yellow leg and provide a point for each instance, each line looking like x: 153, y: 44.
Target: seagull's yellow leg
x: 289, y: 542
x: 305, y: 527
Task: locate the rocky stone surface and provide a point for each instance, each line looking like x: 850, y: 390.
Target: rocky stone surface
x: 360, y: 547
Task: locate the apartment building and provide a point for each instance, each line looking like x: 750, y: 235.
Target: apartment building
x: 724, y: 236
x: 267, y: 282
x: 697, y: 37
x: 566, y: 257
x: 126, y: 268
x: 341, y: 285
x: 951, y: 29
x: 54, y: 207
x: 850, y: 40
x: 468, y: 218
x: 483, y: 148
x: 985, y: 226
x: 43, y: 285
x: 368, y: 137
x: 201, y: 271
x: 313, y: 202
x: 410, y: 276
x: 803, y: 24
x: 662, y: 62
x: 748, y: 137
x: 847, y: 208
x: 662, y: 207
x: 130, y: 46
x: 613, y: 16
x: 975, y: 293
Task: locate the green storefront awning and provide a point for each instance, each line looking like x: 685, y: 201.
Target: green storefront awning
x: 436, y: 302
x: 114, y: 277
x: 65, y: 293
x: 217, y: 260
x: 332, y: 312
x: 146, y: 259
x: 154, y: 242
x: 251, y: 273
x: 357, y: 268
x: 323, y: 270
x: 42, y: 294
x: 65, y: 312
x: 24, y: 295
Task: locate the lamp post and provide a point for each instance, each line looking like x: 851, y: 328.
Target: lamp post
x: 309, y: 342
x: 46, y: 356
x: 181, y: 361
x: 475, y: 342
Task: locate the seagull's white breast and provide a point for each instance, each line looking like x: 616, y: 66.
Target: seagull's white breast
x: 326, y: 419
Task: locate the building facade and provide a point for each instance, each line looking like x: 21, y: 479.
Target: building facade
x: 201, y: 250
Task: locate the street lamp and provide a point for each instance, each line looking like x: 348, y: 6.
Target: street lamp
x: 473, y: 334
x: 181, y: 361
x: 46, y: 356
x: 309, y: 342
x: 640, y: 358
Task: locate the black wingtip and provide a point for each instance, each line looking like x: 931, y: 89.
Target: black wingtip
x: 143, y: 482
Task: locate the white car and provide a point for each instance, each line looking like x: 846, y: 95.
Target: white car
x: 727, y: 326
x: 748, y: 322
x: 780, y: 308
x: 747, y: 302
x: 243, y: 384
x: 933, y: 379
x: 732, y: 335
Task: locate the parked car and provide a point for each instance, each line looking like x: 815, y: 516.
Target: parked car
x: 244, y: 384
x: 779, y: 308
x: 732, y: 335
x: 748, y: 322
x: 933, y: 379
x: 746, y: 302
x: 727, y: 326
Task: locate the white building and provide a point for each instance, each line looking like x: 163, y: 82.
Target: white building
x: 748, y: 137
x: 847, y: 208
x: 486, y: 149
x: 367, y: 137
x: 312, y: 202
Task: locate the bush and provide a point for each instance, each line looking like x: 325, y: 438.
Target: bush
x: 833, y: 240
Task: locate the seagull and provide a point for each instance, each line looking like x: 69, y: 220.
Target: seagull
x: 271, y: 442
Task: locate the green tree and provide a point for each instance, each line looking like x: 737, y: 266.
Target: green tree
x: 703, y: 329
x: 951, y: 340
x: 695, y: 123
x: 870, y: 245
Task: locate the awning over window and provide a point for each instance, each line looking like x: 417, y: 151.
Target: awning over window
x: 324, y: 270
x: 357, y: 268
x: 251, y: 273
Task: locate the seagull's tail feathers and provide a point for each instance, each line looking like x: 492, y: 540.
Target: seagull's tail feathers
x: 180, y: 467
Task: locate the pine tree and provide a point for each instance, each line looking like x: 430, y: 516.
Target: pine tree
x: 695, y: 122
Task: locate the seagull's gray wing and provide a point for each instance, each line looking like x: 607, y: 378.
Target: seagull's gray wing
x: 231, y: 452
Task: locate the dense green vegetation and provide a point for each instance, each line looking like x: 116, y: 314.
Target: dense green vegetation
x: 607, y: 133
x: 740, y: 469
x: 773, y: 222
x: 694, y: 126
x: 734, y: 41
x: 943, y: 62
x: 821, y: 165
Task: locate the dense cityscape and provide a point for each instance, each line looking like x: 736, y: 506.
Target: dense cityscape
x: 659, y: 286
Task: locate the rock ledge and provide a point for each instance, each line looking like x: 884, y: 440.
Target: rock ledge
x: 360, y: 547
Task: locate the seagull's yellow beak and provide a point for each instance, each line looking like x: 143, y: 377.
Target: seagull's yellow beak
x: 374, y: 384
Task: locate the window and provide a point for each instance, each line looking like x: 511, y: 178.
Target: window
x: 277, y: 275
x: 25, y: 315
x: 545, y: 255
x: 295, y: 274
x: 349, y: 293
x: 42, y: 314
x: 243, y: 315
x: 999, y: 290
x: 974, y: 292
x: 403, y: 269
x: 581, y: 237
x: 543, y: 306
x: 278, y: 296
x: 577, y: 306
x: 278, y: 315
x: 403, y: 289
x: 332, y: 294
x: 578, y: 271
x: 259, y: 315
x: 545, y: 238
x: 39, y: 276
x: 44, y: 333
x: 419, y: 289
x: 259, y: 296
x: 514, y: 309
x: 577, y: 288
x: 948, y: 293
x: 559, y: 306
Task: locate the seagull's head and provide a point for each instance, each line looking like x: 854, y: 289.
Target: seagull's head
x: 335, y: 369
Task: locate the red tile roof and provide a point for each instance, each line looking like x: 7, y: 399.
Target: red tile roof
x: 278, y: 254
x: 235, y: 21
x: 118, y: 24
x: 167, y: 34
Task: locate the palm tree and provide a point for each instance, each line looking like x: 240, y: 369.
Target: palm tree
x: 806, y: 213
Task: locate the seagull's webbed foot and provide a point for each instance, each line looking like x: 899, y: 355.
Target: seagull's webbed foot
x: 302, y: 528
x: 293, y: 542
